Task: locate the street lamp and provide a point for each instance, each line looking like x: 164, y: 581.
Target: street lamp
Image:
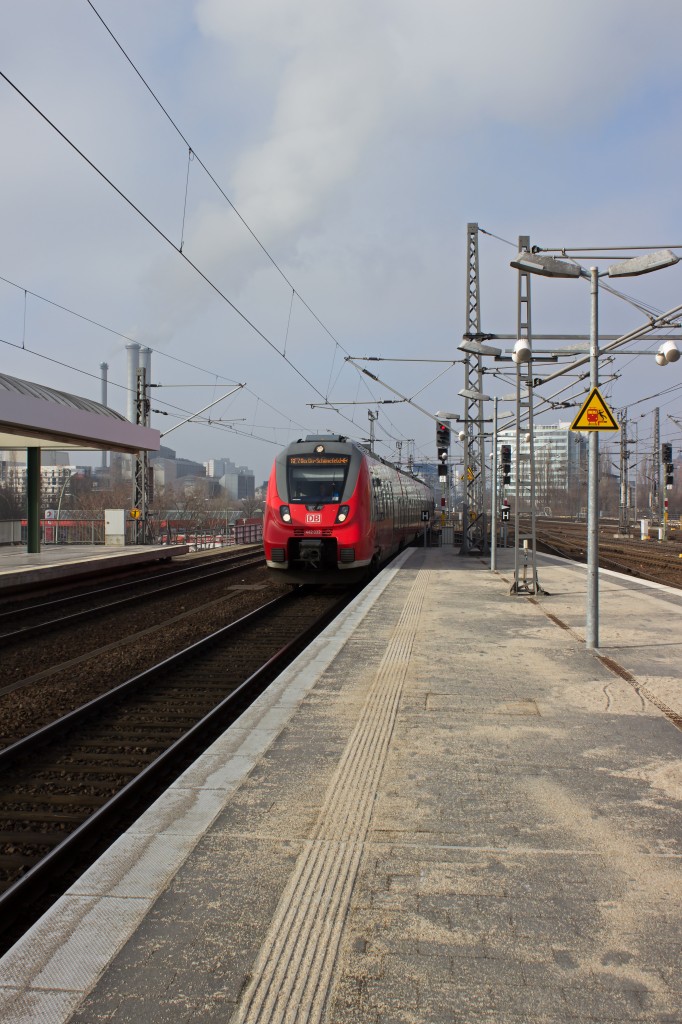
x: 549, y: 266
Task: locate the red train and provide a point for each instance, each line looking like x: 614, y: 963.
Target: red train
x: 334, y: 511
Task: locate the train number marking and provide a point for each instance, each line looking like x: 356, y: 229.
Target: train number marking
x: 313, y: 518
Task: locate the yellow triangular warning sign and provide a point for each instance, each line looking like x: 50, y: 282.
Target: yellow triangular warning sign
x: 595, y: 414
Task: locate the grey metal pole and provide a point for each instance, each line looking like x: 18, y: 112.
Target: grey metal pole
x: 592, y: 617
x: 104, y: 368
x: 493, y: 496
x: 636, y: 471
x: 517, y: 477
x: 657, y: 502
x: 623, y: 516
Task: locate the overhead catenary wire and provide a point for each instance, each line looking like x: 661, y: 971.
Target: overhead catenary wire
x: 123, y: 337
x: 227, y: 199
x: 157, y: 230
x: 192, y: 155
x: 169, y: 242
x: 213, y: 179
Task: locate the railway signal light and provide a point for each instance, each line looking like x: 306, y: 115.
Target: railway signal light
x: 667, y: 460
x: 442, y: 434
x: 505, y: 459
x: 442, y: 471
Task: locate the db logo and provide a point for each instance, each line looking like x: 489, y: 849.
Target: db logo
x: 313, y: 518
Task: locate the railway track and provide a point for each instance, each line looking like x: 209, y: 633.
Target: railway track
x: 32, y: 617
x: 90, y: 773
x: 649, y: 560
x: 75, y: 659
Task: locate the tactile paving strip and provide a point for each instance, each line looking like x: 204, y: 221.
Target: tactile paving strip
x: 293, y: 972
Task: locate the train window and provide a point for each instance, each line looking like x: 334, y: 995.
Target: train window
x: 317, y: 479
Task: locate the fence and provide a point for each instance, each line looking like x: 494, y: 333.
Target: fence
x: 91, y: 531
x: 66, y: 531
x: 86, y: 531
x: 246, y: 533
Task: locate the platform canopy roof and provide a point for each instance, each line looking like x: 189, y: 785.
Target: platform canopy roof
x: 35, y: 416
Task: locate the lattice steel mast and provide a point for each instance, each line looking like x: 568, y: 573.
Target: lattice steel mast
x: 141, y: 469
x: 525, y: 582
x: 474, y: 532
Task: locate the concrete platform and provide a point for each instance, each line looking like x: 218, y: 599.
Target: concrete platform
x: 60, y: 561
x: 446, y: 810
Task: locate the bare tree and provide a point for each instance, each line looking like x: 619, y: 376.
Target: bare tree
x: 12, y: 506
x: 251, y: 507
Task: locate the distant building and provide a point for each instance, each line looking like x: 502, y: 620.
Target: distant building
x: 216, y: 468
x: 168, y: 470
x: 163, y: 453
x: 187, y: 467
x: 560, y: 461
x: 165, y: 473
x: 238, y: 481
x: 246, y: 483
x: 53, y: 478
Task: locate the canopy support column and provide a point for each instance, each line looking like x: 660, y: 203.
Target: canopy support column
x: 33, y: 499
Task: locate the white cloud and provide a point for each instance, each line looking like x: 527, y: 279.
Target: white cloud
x: 350, y: 73
x: 357, y: 137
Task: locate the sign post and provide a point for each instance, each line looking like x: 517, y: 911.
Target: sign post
x: 595, y: 417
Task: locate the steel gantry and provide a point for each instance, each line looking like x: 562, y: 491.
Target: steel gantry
x: 474, y: 532
x: 525, y: 575
x: 141, y: 467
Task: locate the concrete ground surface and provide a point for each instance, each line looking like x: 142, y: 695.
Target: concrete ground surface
x: 447, y: 810
x: 65, y: 561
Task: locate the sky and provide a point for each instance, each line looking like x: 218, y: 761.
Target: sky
x: 260, y: 191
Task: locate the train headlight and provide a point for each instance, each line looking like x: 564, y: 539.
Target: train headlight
x: 342, y: 514
x: 285, y: 513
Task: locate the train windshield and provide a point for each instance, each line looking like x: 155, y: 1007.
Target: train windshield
x: 316, y: 479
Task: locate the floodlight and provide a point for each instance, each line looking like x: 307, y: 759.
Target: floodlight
x: 548, y: 266
x: 473, y: 396
x: 471, y: 345
x: 644, y: 264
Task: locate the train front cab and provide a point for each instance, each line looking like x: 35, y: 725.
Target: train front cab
x: 319, y: 521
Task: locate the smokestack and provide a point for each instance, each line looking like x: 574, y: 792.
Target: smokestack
x: 146, y: 361
x: 133, y: 350
x: 104, y: 367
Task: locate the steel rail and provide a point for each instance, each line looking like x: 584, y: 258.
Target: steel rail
x: 40, y: 876
x: 234, y: 558
x: 38, y: 628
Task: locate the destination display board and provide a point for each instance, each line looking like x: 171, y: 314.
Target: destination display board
x: 319, y: 460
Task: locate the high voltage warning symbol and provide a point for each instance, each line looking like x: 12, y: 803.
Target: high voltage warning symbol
x: 595, y: 414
